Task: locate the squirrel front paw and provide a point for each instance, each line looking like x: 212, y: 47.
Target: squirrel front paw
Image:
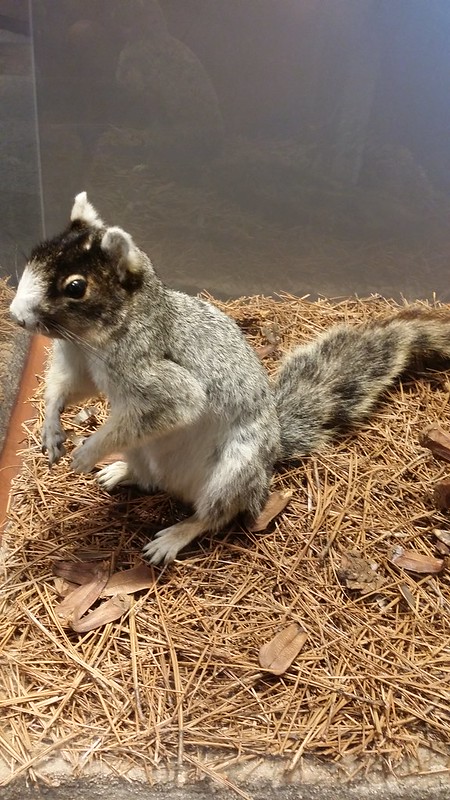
x: 53, y: 438
x: 84, y: 457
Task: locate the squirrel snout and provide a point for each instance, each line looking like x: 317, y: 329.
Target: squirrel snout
x: 24, y: 308
x: 17, y: 320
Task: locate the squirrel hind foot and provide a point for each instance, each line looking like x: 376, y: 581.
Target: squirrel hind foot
x: 167, y: 543
x: 116, y: 474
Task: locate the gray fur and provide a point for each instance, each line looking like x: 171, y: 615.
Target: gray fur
x: 191, y: 407
x: 332, y: 383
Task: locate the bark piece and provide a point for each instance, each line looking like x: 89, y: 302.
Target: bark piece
x: 356, y: 573
x: 109, y: 611
x: 80, y: 600
x: 277, y: 655
x: 271, y: 332
x: 80, y: 572
x: 442, y: 494
x: 265, y: 350
x: 129, y: 581
x: 438, y: 441
x: 413, y: 561
x: 275, y: 504
x: 408, y: 596
x: 443, y: 536
x: 86, y: 415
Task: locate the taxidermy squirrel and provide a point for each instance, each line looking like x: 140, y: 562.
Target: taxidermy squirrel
x: 191, y: 406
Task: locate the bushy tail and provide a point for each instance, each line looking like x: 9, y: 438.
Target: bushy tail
x: 333, y: 382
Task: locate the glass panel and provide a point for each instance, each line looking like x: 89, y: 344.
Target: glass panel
x: 250, y: 147
x: 20, y: 193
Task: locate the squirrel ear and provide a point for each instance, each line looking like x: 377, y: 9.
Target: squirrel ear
x: 119, y: 246
x: 83, y: 211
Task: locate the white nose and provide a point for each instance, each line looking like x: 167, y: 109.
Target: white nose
x: 17, y: 319
x: 24, y: 309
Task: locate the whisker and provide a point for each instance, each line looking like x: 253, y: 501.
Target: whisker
x: 73, y: 337
x: 93, y: 351
x: 90, y: 350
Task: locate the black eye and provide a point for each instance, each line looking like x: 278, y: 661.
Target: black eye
x: 76, y: 289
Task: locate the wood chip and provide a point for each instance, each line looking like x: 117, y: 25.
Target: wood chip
x: 275, y: 504
x: 438, y: 441
x: 442, y: 494
x: 86, y: 416
x: 406, y: 593
x: 129, y: 581
x: 63, y: 588
x: 413, y: 561
x: 80, y: 572
x: 80, y: 600
x: 277, y: 655
x: 443, y: 536
x: 109, y: 611
x: 271, y: 332
x: 442, y: 548
x: 266, y: 350
x: 357, y: 573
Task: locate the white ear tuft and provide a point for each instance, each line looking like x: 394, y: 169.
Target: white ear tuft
x: 117, y: 242
x: 119, y: 245
x: 84, y: 211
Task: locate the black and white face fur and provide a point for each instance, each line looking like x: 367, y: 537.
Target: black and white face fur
x: 79, y: 283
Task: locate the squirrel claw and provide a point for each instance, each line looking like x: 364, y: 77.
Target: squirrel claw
x: 53, y: 444
x: 54, y: 454
x: 162, y: 549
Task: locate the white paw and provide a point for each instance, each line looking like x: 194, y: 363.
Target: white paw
x: 116, y: 474
x: 165, y: 547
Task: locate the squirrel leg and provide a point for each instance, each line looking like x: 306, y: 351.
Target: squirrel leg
x: 172, y: 399
x: 238, y: 484
x: 67, y: 382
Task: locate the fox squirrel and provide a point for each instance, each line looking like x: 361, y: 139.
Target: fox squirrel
x: 191, y: 405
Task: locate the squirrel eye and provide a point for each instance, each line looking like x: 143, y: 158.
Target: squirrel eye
x: 75, y: 289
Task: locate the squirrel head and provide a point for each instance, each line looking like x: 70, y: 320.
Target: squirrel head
x: 81, y: 283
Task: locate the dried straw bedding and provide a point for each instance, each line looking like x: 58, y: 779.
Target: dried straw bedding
x: 179, y: 672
